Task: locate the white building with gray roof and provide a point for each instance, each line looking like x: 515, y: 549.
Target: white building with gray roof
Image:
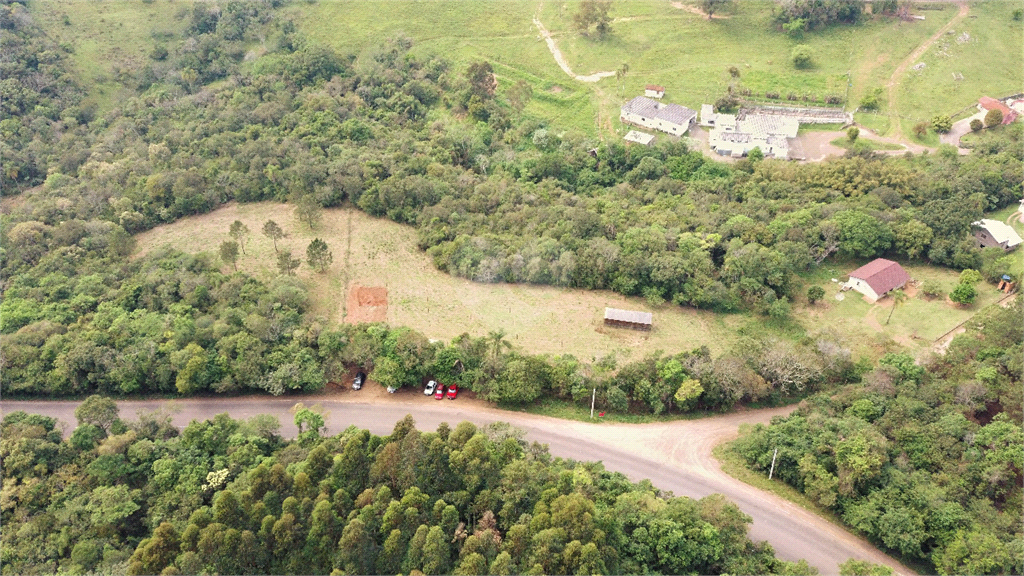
x: 669, y: 118
x: 737, y: 135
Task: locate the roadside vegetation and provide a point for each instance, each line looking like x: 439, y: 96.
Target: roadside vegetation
x: 232, y: 497
x: 925, y: 459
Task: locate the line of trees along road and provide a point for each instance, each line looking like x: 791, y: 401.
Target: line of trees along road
x: 231, y: 497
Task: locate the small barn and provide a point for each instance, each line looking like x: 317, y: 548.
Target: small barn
x: 628, y: 319
x: 993, y: 233
x: 877, y: 278
x: 654, y: 91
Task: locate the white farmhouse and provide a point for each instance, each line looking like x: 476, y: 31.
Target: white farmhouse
x: 669, y: 118
x: 736, y: 135
x: 654, y: 91
x: 877, y: 278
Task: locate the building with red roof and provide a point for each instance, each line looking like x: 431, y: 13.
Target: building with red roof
x: 986, y: 103
x: 877, y: 278
x: 654, y: 91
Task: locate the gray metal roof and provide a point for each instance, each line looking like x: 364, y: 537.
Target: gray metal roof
x: 649, y: 108
x: 631, y: 316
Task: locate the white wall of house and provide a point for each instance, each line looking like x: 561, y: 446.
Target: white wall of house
x: 862, y: 287
x: 654, y: 123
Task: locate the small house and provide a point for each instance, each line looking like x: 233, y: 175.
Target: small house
x: 628, y: 319
x: 669, y: 118
x: 638, y: 137
x: 707, y: 115
x: 985, y: 103
x: 654, y: 91
x: 993, y: 233
x: 877, y: 278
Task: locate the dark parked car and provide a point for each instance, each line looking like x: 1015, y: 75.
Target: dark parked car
x: 357, y: 382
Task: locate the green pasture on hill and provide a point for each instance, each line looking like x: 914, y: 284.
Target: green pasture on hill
x: 660, y: 42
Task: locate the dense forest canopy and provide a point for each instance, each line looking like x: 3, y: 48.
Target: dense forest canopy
x: 231, y: 497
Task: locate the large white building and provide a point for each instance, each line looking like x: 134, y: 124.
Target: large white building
x: 737, y: 135
x: 669, y: 118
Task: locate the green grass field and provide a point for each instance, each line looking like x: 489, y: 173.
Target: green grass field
x: 864, y: 144
x: 108, y: 38
x: 973, y: 49
x: 661, y: 43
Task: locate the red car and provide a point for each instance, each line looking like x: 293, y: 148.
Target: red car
x: 453, y: 391
x: 440, y: 392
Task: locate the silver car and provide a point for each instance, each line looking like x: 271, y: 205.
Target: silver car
x: 431, y: 386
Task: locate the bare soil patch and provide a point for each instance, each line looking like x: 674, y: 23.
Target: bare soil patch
x: 367, y: 304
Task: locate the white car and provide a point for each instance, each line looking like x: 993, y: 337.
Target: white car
x: 392, y: 389
x: 431, y: 386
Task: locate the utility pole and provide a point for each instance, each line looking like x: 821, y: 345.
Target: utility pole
x: 772, y: 471
x: 592, y: 398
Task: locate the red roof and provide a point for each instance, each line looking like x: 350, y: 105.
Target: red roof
x: 993, y: 104
x: 655, y: 87
x: 882, y: 275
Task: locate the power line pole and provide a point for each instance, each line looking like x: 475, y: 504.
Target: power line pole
x: 592, y: 398
x: 772, y: 471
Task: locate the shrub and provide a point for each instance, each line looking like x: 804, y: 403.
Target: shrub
x: 932, y: 289
x: 727, y: 104
x: 993, y: 118
x: 734, y: 72
x: 815, y: 293
x: 792, y: 96
x: 852, y: 133
x: 970, y: 276
x: 921, y: 129
x: 976, y: 125
x: 1018, y: 14
x: 942, y: 123
x: 964, y: 293
x: 802, y: 56
x: 833, y: 99
x: 872, y: 100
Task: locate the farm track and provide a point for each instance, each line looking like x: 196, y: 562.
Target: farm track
x: 675, y: 456
x: 900, y: 70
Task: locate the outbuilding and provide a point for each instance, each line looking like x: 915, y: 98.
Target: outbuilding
x: 877, y: 278
x: 669, y: 118
x: 988, y: 104
x: 628, y: 319
x: 654, y: 91
x: 993, y: 233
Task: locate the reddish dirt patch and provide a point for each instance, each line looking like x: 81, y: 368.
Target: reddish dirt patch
x: 367, y: 304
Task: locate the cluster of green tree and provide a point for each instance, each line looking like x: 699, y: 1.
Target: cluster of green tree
x: 39, y: 99
x: 504, y: 198
x: 797, y: 15
x: 83, y: 321
x: 231, y: 497
x: 923, y: 459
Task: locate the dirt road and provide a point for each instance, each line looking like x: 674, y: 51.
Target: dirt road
x: 675, y: 456
x: 560, y: 59
x: 897, y: 74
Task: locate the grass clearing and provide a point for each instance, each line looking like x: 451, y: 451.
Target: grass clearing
x: 109, y: 38
x: 974, y: 50
x: 915, y: 325
x: 538, y: 319
x: 864, y: 144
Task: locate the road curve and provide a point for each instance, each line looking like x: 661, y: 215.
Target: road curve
x: 675, y: 456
